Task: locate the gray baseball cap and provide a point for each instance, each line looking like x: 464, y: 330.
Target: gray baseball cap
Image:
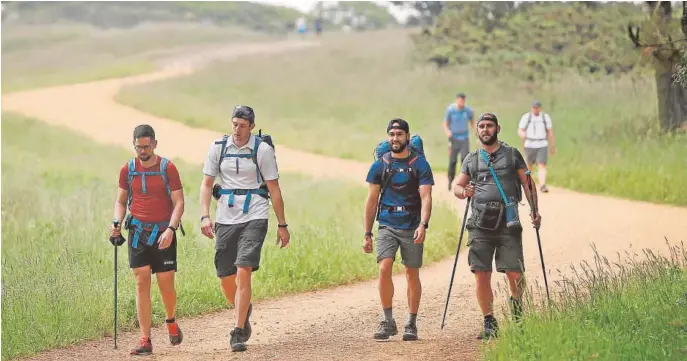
x: 536, y: 103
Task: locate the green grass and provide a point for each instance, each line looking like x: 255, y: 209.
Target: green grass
x: 58, y: 195
x: 45, y: 55
x: 625, y: 310
x: 337, y: 98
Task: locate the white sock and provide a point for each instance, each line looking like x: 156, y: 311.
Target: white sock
x: 542, y: 176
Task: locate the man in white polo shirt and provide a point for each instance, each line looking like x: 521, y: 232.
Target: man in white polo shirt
x: 242, y: 212
x: 536, y: 131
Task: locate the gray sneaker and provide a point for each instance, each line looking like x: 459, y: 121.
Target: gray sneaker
x: 236, y: 340
x: 410, y: 333
x: 385, y: 330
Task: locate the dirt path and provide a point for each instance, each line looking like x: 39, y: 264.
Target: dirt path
x: 338, y: 323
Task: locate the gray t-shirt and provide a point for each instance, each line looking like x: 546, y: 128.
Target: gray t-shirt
x: 245, y: 177
x: 485, y: 186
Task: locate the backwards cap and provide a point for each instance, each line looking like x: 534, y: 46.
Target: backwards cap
x: 398, y: 123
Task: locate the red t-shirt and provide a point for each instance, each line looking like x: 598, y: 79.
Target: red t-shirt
x: 155, y: 205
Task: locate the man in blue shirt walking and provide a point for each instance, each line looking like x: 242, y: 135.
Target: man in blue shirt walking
x: 404, y: 179
x: 456, y: 121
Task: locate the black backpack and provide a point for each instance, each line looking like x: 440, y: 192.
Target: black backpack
x: 510, y: 164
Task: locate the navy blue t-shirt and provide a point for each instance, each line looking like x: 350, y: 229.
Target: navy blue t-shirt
x: 402, y: 190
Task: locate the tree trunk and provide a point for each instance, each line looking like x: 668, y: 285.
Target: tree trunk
x: 671, y: 96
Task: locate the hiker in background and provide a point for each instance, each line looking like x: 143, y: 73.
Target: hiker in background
x: 301, y: 26
x: 536, y: 131
x: 318, y: 26
x: 456, y: 120
x: 246, y: 168
x: 150, y: 187
x: 400, y: 197
x: 494, y: 225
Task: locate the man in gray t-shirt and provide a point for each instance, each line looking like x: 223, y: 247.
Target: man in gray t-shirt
x: 492, y: 234
x: 246, y: 169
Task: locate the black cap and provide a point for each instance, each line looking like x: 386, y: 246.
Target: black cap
x: 488, y: 116
x: 398, y: 123
x: 244, y: 112
x: 460, y: 95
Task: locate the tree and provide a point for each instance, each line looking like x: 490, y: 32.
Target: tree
x: 682, y: 67
x: 427, y: 10
x: 660, y: 38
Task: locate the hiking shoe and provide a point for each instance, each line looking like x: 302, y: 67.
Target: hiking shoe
x: 247, y: 330
x: 410, y: 333
x: 491, y: 329
x: 175, y: 334
x: 385, y: 330
x: 144, y: 347
x: 544, y: 188
x: 516, y: 309
x: 236, y: 340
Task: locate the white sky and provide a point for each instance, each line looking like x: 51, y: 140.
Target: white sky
x: 305, y: 6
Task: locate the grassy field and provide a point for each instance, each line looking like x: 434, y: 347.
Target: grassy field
x: 44, y: 55
x: 610, y: 311
x: 57, y: 262
x: 336, y: 99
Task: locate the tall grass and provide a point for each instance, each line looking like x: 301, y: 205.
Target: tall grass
x: 58, y: 194
x: 630, y: 309
x: 45, y: 55
x: 336, y: 99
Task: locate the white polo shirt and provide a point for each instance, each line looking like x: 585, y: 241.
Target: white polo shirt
x: 240, y: 173
x: 535, y: 134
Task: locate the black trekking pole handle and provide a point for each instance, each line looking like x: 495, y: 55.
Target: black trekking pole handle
x: 536, y: 229
x: 455, y: 261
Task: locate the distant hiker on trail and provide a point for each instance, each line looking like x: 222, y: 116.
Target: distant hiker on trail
x: 536, y: 131
x: 457, y: 130
x: 150, y: 187
x: 494, y: 225
x: 403, y: 177
x: 246, y: 168
x: 318, y: 26
x: 301, y: 26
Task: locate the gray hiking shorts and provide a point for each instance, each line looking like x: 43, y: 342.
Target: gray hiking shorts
x: 238, y: 245
x: 537, y: 155
x: 389, y: 240
x: 504, y: 247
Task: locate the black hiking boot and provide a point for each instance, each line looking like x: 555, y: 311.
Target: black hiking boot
x: 247, y: 330
x: 237, y: 335
x: 516, y: 309
x: 491, y: 328
x: 385, y: 330
x: 410, y: 333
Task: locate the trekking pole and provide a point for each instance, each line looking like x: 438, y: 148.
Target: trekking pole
x: 455, y: 262
x: 536, y: 228
x: 114, y: 243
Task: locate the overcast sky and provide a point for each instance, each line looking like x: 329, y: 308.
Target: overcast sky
x: 306, y: 6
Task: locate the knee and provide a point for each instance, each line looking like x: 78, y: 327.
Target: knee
x: 483, y: 277
x: 386, y: 268
x: 514, y: 276
x: 142, y: 280
x: 243, y: 276
x: 413, y: 275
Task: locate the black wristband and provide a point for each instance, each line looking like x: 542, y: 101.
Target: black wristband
x: 172, y: 228
x: 282, y: 225
x: 203, y: 217
x: 368, y: 234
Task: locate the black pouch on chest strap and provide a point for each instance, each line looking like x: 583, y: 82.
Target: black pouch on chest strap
x: 488, y: 215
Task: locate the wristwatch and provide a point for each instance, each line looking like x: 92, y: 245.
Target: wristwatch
x: 369, y: 234
x: 203, y: 217
x: 426, y: 224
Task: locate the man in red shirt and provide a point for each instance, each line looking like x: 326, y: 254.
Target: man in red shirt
x: 150, y: 187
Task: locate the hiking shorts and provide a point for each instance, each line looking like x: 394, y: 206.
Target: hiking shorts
x: 159, y: 260
x: 238, y: 245
x: 389, y: 240
x: 537, y: 155
x: 503, y: 246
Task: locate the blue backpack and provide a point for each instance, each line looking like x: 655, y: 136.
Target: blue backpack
x: 132, y: 172
x: 383, y: 152
x: 262, y: 191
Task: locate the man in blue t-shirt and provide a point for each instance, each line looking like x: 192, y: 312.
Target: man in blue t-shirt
x: 456, y: 121
x: 404, y: 180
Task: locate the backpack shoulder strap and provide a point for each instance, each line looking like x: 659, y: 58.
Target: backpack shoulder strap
x: 163, y: 171
x: 475, y: 163
x: 131, y: 170
x: 223, y: 144
x: 254, y: 157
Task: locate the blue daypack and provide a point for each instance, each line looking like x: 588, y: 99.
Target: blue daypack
x: 383, y: 152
